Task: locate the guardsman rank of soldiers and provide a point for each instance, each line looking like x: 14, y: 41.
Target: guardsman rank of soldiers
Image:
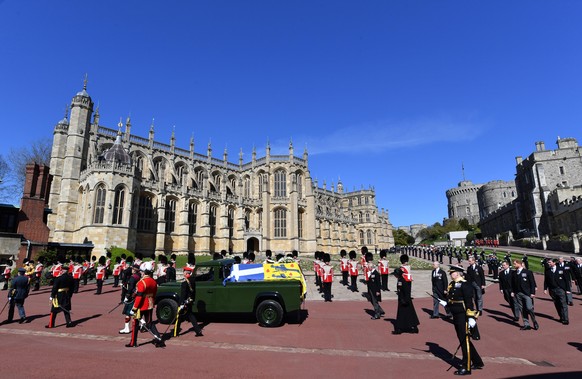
x: 558, y: 284
x: 17, y: 294
x: 344, y: 267
x: 384, y: 270
x: 460, y: 303
x: 116, y: 272
x: 353, y: 264
x: 7, y: 274
x: 100, y: 275
x: 38, y: 273
x: 327, y: 277
x: 60, y: 297
x: 77, y: 275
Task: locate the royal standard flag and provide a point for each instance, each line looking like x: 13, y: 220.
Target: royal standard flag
x: 285, y: 271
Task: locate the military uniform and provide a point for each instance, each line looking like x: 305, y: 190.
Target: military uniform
x: 460, y: 304
x: 374, y: 292
x: 60, y: 298
x: 17, y: 294
x: 188, y: 296
x: 143, y: 307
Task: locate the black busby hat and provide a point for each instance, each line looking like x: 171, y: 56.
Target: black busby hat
x: 404, y: 258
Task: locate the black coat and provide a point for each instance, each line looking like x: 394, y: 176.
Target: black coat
x: 406, y: 317
x: 188, y: 290
x: 374, y: 285
x: 439, y: 283
x: 475, y: 275
x: 557, y: 279
x: 523, y: 282
x: 505, y: 281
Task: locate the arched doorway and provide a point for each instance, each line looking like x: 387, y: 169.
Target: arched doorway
x: 253, y: 244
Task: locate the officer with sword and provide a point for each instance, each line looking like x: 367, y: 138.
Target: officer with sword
x: 60, y: 298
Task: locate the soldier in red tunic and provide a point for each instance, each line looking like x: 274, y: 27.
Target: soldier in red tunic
x: 384, y: 270
x: 344, y: 266
x: 143, y: 306
x: 326, y: 276
x: 100, y: 275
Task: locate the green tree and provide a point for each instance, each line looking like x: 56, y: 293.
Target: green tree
x: 402, y: 238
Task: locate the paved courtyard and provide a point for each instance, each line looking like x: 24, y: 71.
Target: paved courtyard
x: 335, y: 339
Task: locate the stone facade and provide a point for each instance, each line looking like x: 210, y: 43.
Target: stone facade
x: 494, y: 195
x: 113, y: 188
x: 462, y: 202
x: 540, y: 174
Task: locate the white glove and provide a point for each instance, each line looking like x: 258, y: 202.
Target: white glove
x: 141, y: 322
x: 126, y: 300
x: 131, y: 313
x: 50, y: 298
x: 443, y: 303
x: 472, y: 322
x: 9, y: 299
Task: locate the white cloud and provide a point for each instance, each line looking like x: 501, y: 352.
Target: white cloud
x: 382, y: 136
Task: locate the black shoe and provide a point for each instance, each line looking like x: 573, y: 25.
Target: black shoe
x: 566, y: 322
x: 22, y: 320
x: 462, y: 372
x: 536, y: 326
x: 375, y: 317
x: 397, y: 331
x: 130, y: 345
x: 477, y: 367
x: 70, y: 325
x: 570, y: 304
x: 525, y: 327
x: 434, y: 316
x: 199, y: 334
x: 414, y: 330
x: 516, y: 319
x: 159, y: 343
x: 382, y: 313
x: 48, y: 326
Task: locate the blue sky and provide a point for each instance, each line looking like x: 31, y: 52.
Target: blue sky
x: 392, y: 94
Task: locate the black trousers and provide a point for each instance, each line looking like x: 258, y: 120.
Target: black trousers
x: 470, y: 354
x: 354, y: 279
x: 384, y: 278
x: 327, y: 291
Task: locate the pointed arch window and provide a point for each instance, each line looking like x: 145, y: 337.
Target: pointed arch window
x: 230, y: 222
x: 280, y: 183
x: 362, y: 238
x: 280, y: 223
x: 299, y: 186
x: 100, y: 196
x: 119, y: 202
x: 170, y: 215
x: 369, y: 237
x: 192, y: 216
x: 212, y: 220
x: 146, y: 217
